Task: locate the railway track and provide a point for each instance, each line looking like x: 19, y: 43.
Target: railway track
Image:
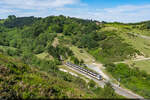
x: 85, y: 71
x: 100, y: 80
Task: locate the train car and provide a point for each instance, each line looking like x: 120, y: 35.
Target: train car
x: 99, y: 77
x: 92, y: 74
x: 84, y: 70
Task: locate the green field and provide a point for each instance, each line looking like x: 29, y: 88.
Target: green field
x: 127, y: 33
x: 45, y: 56
x: 143, y: 45
x: 6, y: 48
x: 82, y: 54
x: 142, y: 65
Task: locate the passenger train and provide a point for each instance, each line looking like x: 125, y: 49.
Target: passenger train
x: 92, y: 74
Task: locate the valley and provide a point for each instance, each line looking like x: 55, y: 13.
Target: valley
x: 39, y: 49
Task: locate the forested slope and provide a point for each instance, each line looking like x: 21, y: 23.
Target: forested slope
x: 24, y: 75
x: 28, y: 52
x: 18, y: 80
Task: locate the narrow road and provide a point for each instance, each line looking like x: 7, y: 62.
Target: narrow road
x: 121, y: 91
x: 143, y: 36
x: 126, y: 93
x: 134, y: 60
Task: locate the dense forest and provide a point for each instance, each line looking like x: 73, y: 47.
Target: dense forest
x: 37, y: 36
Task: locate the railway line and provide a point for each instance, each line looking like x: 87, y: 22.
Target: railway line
x: 100, y: 80
x: 85, y: 71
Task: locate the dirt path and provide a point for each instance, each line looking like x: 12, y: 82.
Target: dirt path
x: 55, y: 42
x: 68, y: 72
x: 143, y: 36
x: 134, y: 60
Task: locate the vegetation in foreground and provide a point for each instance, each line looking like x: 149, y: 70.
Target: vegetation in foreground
x: 18, y: 80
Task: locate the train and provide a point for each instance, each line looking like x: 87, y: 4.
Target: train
x: 86, y: 71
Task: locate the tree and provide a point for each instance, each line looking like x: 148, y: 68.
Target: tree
x: 81, y: 62
x: 55, y: 29
x: 76, y: 61
x: 11, y: 17
x: 67, y: 30
x: 13, y: 43
x: 37, y: 29
x: 148, y: 25
x: 92, y: 84
x: 109, y: 92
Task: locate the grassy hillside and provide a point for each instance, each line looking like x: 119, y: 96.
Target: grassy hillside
x: 21, y: 81
x: 113, y: 48
x: 18, y: 80
x: 135, y: 73
x: 143, y: 65
x: 41, y: 44
x: 31, y: 52
x: 138, y: 37
x: 132, y: 36
x: 132, y: 78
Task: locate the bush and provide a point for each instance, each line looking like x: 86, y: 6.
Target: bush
x: 131, y: 77
x: 92, y: 84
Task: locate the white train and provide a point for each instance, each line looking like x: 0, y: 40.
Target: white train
x: 83, y: 70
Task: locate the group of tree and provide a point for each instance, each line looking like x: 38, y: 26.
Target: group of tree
x: 59, y: 52
x: 134, y: 79
x: 31, y: 36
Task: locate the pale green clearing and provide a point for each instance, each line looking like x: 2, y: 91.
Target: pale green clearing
x: 82, y: 54
x: 142, y: 65
x: 55, y: 42
x: 2, y: 21
x: 141, y: 44
x: 45, y: 56
x: 6, y: 48
x: 142, y: 32
x: 127, y: 33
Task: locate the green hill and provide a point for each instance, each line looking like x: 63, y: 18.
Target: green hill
x: 20, y: 81
x: 26, y: 72
x: 32, y: 49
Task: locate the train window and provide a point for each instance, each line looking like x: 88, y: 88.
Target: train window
x: 94, y: 74
x: 99, y: 76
